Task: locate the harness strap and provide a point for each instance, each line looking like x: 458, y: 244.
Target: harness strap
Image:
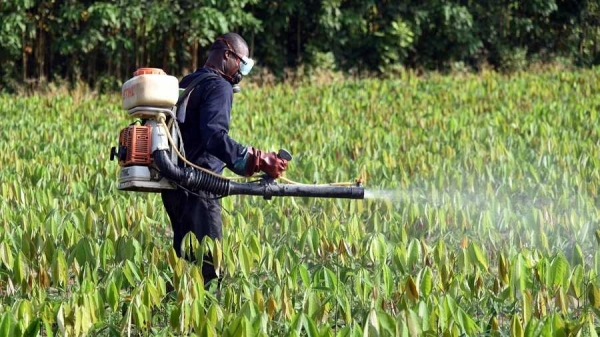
x: 185, y: 95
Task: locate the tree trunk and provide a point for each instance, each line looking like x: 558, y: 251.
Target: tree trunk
x: 298, y: 42
x: 40, y: 54
x: 194, y: 52
x: 71, y: 68
x: 119, y: 59
x: 142, y: 44
x: 50, y: 63
x: 167, y: 52
x: 110, y: 67
x: 24, y: 60
x: 252, y: 44
x: 136, y: 48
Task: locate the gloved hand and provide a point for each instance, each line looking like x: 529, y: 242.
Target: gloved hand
x: 267, y: 162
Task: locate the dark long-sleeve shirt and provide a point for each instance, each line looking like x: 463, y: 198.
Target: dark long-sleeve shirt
x: 205, y: 130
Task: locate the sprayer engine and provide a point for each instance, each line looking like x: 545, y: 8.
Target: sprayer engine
x: 150, y: 94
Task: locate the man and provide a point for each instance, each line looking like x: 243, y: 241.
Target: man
x: 206, y: 142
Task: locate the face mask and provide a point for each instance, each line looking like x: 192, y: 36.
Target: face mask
x: 246, y: 65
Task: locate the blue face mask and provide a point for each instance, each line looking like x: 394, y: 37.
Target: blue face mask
x: 246, y: 65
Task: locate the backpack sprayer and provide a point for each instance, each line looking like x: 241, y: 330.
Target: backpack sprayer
x: 150, y: 148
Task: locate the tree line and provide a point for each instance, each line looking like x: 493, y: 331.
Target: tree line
x: 103, y: 42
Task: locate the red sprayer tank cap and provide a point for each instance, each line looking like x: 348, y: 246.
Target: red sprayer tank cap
x: 148, y: 71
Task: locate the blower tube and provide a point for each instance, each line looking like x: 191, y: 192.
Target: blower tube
x: 191, y: 179
x: 195, y: 180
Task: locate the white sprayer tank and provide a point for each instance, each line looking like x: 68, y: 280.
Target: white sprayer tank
x: 150, y: 87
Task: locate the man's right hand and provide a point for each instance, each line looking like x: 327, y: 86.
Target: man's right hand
x: 267, y: 162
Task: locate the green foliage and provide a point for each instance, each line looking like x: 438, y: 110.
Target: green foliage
x: 103, y: 42
x: 490, y: 227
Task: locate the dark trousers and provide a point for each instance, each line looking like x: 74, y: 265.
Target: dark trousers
x: 199, y: 214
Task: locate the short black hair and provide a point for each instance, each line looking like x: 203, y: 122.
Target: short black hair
x: 235, y: 40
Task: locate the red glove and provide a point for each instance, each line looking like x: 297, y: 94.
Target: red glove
x: 267, y: 162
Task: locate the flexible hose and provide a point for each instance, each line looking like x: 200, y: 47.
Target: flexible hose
x: 161, y: 122
x: 172, y: 143
x: 188, y: 177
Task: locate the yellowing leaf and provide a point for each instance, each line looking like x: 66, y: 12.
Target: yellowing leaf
x: 411, y: 289
x: 271, y: 306
x: 286, y: 304
x: 593, y: 294
x: 259, y: 299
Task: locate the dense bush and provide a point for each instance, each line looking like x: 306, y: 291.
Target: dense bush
x: 93, y: 40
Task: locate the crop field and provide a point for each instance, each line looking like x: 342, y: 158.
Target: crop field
x: 481, y: 218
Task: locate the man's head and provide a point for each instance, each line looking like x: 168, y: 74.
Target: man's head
x: 229, y: 55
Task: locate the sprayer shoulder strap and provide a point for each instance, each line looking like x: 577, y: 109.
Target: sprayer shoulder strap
x: 185, y: 95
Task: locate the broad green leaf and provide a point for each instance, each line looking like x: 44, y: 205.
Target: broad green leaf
x: 174, y: 318
x: 208, y: 330
x: 237, y: 327
x: 424, y: 315
x: 112, y: 295
x: 217, y: 254
x: 414, y: 253
x: 558, y: 326
x: 84, y: 252
x: 559, y: 269
x: 531, y: 328
x: 310, y: 327
x: 516, y: 327
x: 6, y: 255
x: 527, y: 301
x: 60, y: 320
x: 578, y: 256
x: 5, y: 324
x: 387, y: 324
x: 591, y: 325
x: 90, y: 219
x: 593, y: 295
x: 412, y: 322
x: 468, y: 324
x: 478, y: 256
x: 344, y: 305
x: 388, y: 281
x: 198, y: 316
x: 19, y: 269
x: 245, y: 260
x: 576, y: 281
x: 372, y: 324
x: 33, y: 329
x: 519, y: 275
x: 312, y: 305
x: 131, y: 272
x: 107, y: 252
x: 426, y: 282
